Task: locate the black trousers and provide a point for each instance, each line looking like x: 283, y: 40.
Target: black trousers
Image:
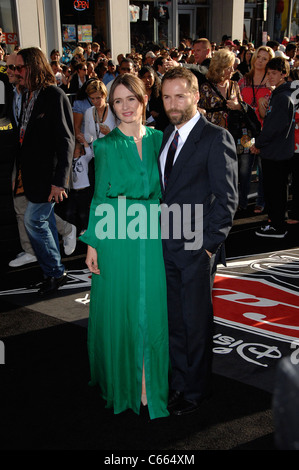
x: 275, y: 180
x: 77, y: 207
x: 190, y: 315
x: 294, y: 170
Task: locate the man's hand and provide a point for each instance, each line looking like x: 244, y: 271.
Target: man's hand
x: 57, y: 194
x: 254, y: 150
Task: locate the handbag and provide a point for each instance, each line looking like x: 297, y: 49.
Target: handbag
x: 246, y: 118
x: 242, y: 124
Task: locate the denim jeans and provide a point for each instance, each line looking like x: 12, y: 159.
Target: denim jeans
x: 41, y: 227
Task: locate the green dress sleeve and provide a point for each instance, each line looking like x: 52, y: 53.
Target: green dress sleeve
x: 101, y: 151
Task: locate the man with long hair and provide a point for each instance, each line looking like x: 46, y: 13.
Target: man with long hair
x: 46, y: 146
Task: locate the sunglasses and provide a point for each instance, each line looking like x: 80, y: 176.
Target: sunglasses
x: 18, y: 68
x: 11, y: 67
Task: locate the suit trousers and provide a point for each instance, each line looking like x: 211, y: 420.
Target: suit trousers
x: 190, y: 313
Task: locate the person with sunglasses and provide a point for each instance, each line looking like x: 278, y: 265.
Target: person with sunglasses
x: 2, y: 61
x: 44, y: 160
x: 20, y: 202
x: 79, y: 78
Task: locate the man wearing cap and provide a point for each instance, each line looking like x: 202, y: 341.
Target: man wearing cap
x: 111, y: 73
x: 126, y: 66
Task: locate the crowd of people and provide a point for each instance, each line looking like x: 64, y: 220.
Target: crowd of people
x: 108, y: 139
x: 246, y: 80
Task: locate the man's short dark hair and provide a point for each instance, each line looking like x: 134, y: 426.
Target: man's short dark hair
x: 184, y: 74
x: 291, y: 46
x: 280, y: 64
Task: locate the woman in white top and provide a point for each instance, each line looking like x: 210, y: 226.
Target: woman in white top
x: 99, y: 119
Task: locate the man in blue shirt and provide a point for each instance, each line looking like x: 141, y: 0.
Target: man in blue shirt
x: 111, y: 74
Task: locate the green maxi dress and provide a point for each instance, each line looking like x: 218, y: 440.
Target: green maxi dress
x: 128, y: 324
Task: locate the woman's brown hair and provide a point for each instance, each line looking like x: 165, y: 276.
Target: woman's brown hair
x: 134, y: 84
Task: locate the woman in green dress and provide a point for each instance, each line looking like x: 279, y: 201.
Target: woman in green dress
x: 128, y: 326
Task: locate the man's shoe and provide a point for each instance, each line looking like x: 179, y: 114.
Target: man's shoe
x: 185, y: 407
x: 268, y: 231
x: 51, y: 284
x: 21, y: 259
x: 174, y: 398
x: 70, y: 241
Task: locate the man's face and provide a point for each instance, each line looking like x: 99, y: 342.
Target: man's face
x: 179, y: 102
x: 21, y: 71
x: 11, y: 72
x: 111, y: 68
x: 126, y: 67
x: 201, y: 52
x: 275, y: 77
x: 150, y: 60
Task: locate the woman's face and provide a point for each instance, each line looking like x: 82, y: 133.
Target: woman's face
x: 261, y: 61
x: 126, y: 105
x: 248, y: 55
x: 148, y: 79
x: 98, y: 99
x: 228, y: 71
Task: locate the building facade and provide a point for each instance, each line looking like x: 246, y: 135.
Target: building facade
x: 120, y: 25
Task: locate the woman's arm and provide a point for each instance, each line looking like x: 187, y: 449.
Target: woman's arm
x: 92, y: 260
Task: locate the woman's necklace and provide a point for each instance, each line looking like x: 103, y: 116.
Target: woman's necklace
x: 223, y: 88
x: 101, y: 119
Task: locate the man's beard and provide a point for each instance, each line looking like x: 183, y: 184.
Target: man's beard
x: 182, y: 116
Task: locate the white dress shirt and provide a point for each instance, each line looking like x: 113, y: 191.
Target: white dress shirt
x: 184, y: 132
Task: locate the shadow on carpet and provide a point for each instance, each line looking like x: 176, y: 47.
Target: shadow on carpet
x: 48, y: 405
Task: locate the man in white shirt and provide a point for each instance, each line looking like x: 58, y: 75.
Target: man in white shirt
x: 198, y: 169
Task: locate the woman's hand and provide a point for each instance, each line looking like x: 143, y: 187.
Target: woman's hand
x: 263, y: 104
x: 104, y: 129
x: 92, y: 260
x: 233, y: 105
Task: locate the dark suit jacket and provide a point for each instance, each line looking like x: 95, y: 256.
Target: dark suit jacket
x: 45, y: 158
x: 205, y: 172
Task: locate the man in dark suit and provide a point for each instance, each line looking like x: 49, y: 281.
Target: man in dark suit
x: 44, y: 160
x: 202, y: 180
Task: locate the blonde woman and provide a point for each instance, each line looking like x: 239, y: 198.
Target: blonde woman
x: 255, y: 91
x: 99, y: 120
x: 219, y: 93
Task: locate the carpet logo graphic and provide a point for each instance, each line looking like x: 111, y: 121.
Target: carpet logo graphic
x: 77, y: 279
x: 260, y: 295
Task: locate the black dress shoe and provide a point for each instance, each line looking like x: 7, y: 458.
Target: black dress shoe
x: 185, y: 407
x: 174, y: 398
x: 51, y: 284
